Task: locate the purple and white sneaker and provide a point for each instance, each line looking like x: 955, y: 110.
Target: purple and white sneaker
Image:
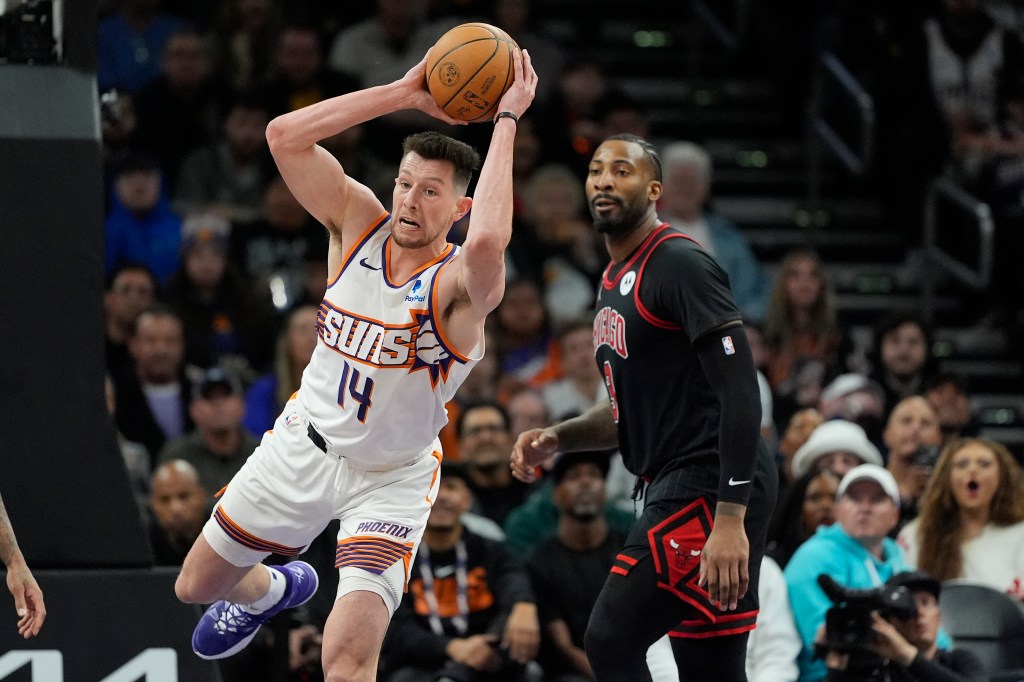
x: 226, y: 628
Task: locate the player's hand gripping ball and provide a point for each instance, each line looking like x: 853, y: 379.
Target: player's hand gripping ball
x: 469, y: 68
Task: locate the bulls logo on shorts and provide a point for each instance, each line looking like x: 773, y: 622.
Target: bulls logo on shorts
x: 676, y: 545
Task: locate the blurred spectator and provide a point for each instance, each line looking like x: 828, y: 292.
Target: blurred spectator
x: 480, y: 386
x: 180, y: 507
x: 525, y: 343
x: 536, y: 519
x: 383, y: 47
x: 970, y: 58
x: 1002, y: 187
x: 131, y: 44
x: 141, y: 227
x: 246, y: 34
x: 567, y: 123
x: 759, y: 353
x: 573, y: 257
x: 469, y: 613
x: 568, y: 569
x: 800, y: 427
x: 153, y: 394
x: 485, y: 446
x: 517, y: 18
x: 300, y: 77
x: 836, y: 445
x: 482, y: 382
x: 803, y: 334
x: 809, y: 504
x: 131, y: 289
x: 527, y: 410
x: 378, y: 50
x: 947, y: 394
x: 855, y: 398
x: 265, y: 399
x: 219, y: 446
x: 226, y: 321
x: 178, y: 112
x: 275, y: 250
x: 137, y: 461
x: 971, y: 521
x: 529, y: 154
x: 617, y: 113
x: 685, y: 205
x: 228, y: 177
x: 774, y: 644
x: 902, y: 359
x: 912, y: 438
x: 582, y: 385
x: 855, y: 551
x: 119, y: 128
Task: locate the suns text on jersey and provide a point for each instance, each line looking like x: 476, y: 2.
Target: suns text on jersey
x: 367, y: 340
x: 610, y: 330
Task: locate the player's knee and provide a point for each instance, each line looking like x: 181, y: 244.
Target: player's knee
x: 189, y: 591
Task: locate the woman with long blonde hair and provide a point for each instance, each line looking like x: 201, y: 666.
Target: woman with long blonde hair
x: 971, y: 523
x: 801, y: 329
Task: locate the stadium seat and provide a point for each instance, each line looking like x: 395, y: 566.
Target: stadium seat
x: 988, y: 623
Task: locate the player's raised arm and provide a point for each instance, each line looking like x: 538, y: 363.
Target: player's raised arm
x: 482, y: 259
x: 315, y: 176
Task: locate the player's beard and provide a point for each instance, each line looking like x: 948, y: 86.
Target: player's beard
x: 618, y: 223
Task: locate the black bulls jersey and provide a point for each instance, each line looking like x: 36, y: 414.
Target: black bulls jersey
x: 650, y: 310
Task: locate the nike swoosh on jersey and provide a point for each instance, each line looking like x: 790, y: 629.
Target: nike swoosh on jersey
x: 362, y: 261
x: 733, y: 481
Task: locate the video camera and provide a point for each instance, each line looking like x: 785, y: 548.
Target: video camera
x: 848, y: 626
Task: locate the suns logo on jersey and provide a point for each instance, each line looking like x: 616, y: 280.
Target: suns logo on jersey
x: 413, y: 345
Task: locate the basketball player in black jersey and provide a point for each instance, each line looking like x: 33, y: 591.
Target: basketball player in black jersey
x: 684, y: 410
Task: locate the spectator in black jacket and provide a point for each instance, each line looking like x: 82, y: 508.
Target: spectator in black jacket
x: 469, y: 613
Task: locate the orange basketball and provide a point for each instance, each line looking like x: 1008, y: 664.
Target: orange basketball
x: 469, y: 68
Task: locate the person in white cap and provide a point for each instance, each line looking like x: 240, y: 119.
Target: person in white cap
x: 855, y: 551
x: 836, y: 445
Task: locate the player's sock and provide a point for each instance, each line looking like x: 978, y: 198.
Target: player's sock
x: 273, y: 595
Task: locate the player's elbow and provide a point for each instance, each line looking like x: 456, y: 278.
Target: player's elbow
x: 278, y: 137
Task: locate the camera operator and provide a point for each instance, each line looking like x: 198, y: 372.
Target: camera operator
x: 905, y: 646
x: 856, y: 551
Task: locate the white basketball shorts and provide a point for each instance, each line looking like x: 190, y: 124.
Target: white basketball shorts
x: 289, y: 490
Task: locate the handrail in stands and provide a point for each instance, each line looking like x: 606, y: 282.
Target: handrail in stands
x: 858, y: 161
x: 717, y: 27
x: 977, y: 277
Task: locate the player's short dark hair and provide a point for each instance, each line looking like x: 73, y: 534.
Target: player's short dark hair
x: 133, y: 266
x: 437, y: 147
x: 650, y: 151
x: 481, y: 404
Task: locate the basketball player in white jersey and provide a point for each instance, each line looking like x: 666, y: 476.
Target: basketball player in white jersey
x: 400, y: 326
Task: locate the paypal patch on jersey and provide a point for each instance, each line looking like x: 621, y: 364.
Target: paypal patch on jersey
x: 413, y: 297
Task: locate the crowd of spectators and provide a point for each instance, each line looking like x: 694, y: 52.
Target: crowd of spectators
x: 215, y: 273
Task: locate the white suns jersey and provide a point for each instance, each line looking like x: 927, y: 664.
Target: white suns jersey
x: 382, y: 370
